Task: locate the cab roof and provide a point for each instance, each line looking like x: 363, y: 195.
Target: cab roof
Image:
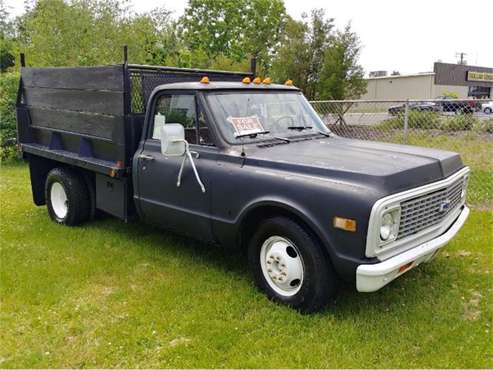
x: 224, y: 85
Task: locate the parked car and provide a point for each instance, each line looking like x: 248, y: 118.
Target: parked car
x: 217, y: 157
x: 487, y: 107
x: 414, y: 106
x: 447, y: 104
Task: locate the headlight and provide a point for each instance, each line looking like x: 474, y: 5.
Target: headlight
x: 389, y: 226
x: 386, y: 228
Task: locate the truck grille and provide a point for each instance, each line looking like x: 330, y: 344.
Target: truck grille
x: 430, y: 209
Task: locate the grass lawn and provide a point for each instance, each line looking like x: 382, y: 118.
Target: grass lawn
x: 109, y: 294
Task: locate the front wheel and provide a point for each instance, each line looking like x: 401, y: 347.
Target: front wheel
x: 488, y: 110
x: 289, y: 265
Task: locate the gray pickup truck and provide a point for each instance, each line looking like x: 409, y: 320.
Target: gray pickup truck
x: 236, y: 161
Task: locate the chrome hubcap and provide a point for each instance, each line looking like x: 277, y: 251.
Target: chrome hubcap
x: 282, y: 265
x: 59, y: 201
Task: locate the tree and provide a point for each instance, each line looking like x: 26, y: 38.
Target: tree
x: 301, y: 54
x: 234, y: 29
x: 293, y: 57
x: 7, y: 42
x: 90, y: 32
x: 341, y: 76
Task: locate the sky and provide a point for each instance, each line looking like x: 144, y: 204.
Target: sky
x: 396, y: 35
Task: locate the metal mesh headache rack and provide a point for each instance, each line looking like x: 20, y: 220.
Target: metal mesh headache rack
x: 144, y: 79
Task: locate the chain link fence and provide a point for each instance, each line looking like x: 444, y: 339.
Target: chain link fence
x: 460, y: 125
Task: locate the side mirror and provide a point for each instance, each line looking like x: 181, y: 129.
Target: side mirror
x: 173, y: 140
x: 173, y: 144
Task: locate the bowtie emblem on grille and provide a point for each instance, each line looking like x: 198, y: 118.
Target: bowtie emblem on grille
x: 444, y: 206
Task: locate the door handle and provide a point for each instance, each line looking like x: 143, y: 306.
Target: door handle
x: 146, y: 157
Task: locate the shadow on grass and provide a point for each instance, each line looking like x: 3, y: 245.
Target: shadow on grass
x: 409, y: 290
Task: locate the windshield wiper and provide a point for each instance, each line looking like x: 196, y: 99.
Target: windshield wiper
x: 281, y: 138
x: 254, y: 135
x: 299, y: 128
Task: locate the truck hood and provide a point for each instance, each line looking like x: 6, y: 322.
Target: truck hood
x: 390, y: 167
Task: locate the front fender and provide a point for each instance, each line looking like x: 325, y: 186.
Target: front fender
x: 286, y: 205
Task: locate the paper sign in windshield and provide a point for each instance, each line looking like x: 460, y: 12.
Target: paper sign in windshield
x: 246, y: 125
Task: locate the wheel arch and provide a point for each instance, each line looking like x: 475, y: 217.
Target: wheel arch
x: 40, y: 167
x: 256, y: 212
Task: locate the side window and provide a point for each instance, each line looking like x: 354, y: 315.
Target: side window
x: 176, y: 109
x: 181, y: 109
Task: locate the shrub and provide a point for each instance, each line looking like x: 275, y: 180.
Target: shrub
x: 459, y: 122
x: 416, y: 120
x: 8, y: 92
x: 483, y: 126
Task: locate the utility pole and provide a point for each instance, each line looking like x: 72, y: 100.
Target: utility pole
x: 461, y: 55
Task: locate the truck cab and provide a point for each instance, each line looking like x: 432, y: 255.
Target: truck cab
x: 250, y: 164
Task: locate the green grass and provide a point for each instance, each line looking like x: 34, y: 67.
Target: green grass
x: 115, y: 295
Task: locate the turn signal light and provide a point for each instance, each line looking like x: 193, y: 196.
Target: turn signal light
x: 288, y: 83
x: 257, y: 80
x: 204, y: 80
x: 345, y: 224
x: 405, y: 267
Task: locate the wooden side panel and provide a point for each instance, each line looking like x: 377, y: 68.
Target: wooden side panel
x: 97, y: 125
x: 81, y: 78
x: 105, y: 102
x: 77, y: 102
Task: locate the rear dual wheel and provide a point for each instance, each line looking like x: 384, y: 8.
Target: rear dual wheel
x: 289, y: 265
x: 67, y: 197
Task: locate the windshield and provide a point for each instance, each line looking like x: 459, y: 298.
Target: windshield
x: 250, y: 116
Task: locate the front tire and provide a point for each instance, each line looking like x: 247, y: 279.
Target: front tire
x: 488, y: 110
x: 288, y: 264
x: 67, y: 197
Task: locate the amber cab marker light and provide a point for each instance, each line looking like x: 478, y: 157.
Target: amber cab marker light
x: 288, y: 83
x: 267, y: 81
x: 345, y: 224
x: 204, y: 80
x: 246, y: 80
x: 257, y: 80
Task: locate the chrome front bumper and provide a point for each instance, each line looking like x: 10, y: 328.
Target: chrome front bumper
x: 370, y: 278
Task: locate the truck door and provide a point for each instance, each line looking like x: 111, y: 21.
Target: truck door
x: 185, y: 209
